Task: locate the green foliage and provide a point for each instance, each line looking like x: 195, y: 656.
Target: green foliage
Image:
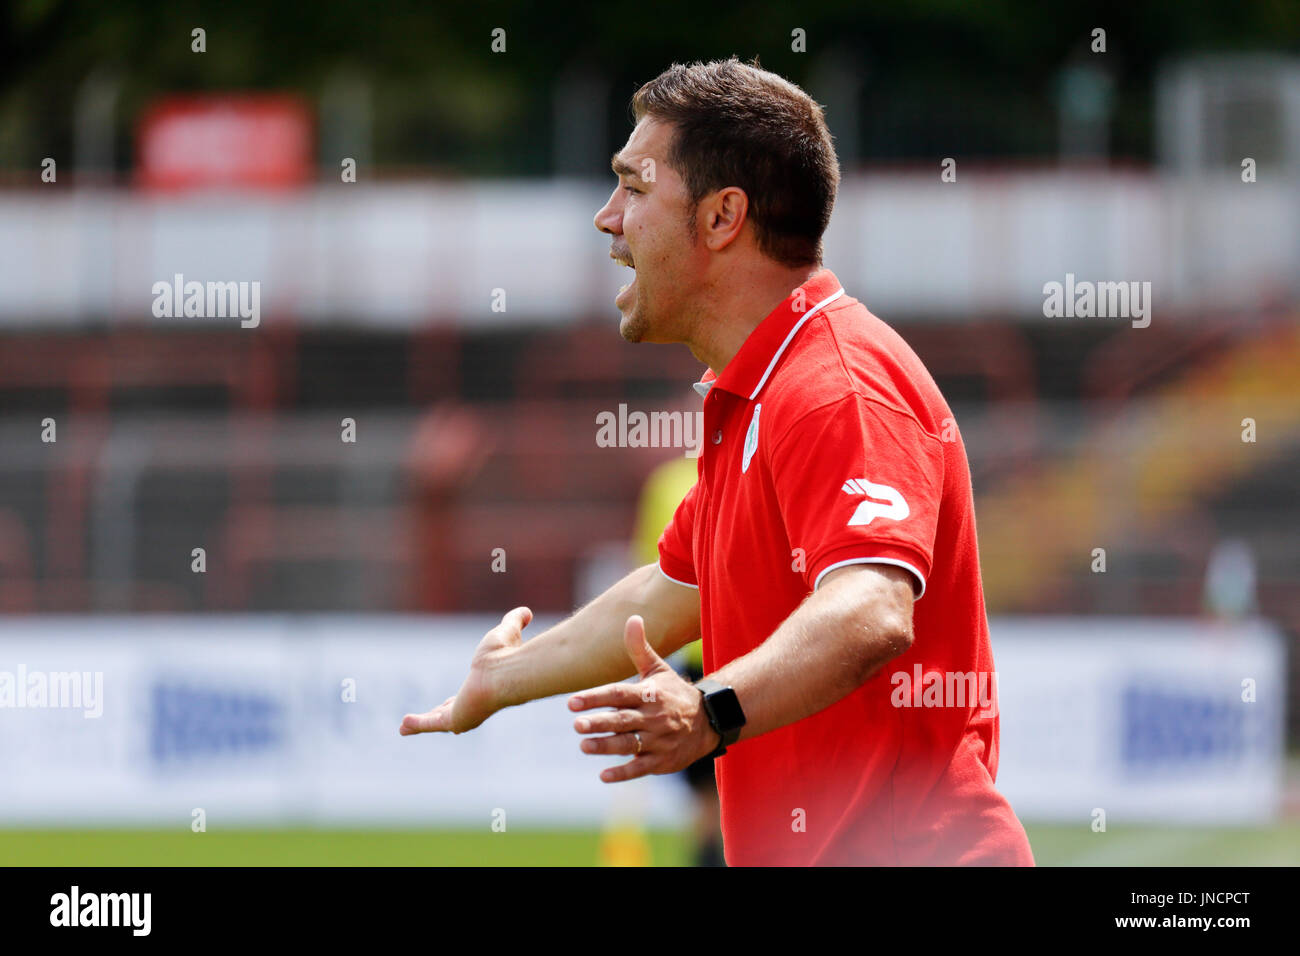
x: 976, y: 76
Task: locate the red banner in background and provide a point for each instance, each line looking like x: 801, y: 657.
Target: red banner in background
x: 246, y: 140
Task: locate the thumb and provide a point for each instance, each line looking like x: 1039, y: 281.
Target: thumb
x: 438, y: 719
x: 514, y: 623
x: 639, y: 649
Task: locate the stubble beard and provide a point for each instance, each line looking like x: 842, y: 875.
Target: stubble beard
x: 634, y: 326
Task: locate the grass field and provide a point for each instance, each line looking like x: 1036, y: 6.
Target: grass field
x: 1053, y: 846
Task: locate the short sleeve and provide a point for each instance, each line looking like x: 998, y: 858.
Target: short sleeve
x: 859, y: 483
x: 676, y: 544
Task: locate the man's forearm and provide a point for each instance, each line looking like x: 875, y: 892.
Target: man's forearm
x: 586, y: 649
x: 825, y: 650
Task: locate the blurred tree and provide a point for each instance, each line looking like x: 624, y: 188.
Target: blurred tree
x: 940, y: 77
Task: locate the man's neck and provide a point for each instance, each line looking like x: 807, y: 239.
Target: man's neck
x: 731, y: 314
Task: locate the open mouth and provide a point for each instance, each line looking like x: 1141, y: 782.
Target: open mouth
x: 623, y: 293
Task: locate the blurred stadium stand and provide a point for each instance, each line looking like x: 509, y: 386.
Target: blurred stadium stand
x: 188, y: 444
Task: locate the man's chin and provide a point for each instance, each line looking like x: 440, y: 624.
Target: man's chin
x: 633, y: 326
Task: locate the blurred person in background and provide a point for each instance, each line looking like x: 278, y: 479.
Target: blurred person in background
x: 661, y: 495
x: 1230, y: 588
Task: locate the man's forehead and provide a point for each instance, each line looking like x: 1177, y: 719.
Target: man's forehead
x: 649, y: 140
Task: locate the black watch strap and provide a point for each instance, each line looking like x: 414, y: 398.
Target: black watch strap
x: 723, y: 709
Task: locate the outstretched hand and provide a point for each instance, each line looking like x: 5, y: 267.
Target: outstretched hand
x: 479, y: 697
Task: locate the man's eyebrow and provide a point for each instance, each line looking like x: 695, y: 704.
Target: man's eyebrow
x: 621, y: 166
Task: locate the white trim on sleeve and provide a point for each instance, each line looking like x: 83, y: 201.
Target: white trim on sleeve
x: 896, y: 563
x: 673, y: 579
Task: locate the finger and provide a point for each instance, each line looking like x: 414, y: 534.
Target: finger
x: 637, y: 767
x: 438, y: 719
x: 611, y: 695
x: 610, y: 722
x: 617, y: 744
x: 514, y: 621
x: 638, y: 648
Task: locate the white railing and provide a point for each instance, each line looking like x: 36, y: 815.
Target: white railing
x: 403, y: 254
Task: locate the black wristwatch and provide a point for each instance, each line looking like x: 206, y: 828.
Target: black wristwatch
x: 723, y: 710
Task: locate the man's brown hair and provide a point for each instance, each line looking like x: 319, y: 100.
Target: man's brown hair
x: 736, y: 124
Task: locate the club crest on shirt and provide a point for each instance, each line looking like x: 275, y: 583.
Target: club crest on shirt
x: 751, y: 439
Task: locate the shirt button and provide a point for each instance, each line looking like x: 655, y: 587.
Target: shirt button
x: 717, y: 437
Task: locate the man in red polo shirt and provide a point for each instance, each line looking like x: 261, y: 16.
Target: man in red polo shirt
x: 851, y: 726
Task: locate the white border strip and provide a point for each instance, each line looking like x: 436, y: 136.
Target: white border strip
x: 673, y: 579
x: 896, y: 563
x: 798, y: 325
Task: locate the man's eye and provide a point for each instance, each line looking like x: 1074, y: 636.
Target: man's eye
x: 630, y: 189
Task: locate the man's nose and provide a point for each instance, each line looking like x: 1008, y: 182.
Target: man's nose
x: 609, y: 219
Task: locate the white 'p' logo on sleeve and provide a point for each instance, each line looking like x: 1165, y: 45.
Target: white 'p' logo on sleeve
x: 892, y: 506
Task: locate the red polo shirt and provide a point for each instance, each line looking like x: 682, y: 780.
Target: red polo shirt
x: 827, y: 443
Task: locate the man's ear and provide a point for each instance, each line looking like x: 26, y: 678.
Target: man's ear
x: 724, y: 214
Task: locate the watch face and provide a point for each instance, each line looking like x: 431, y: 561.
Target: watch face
x: 724, y: 707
